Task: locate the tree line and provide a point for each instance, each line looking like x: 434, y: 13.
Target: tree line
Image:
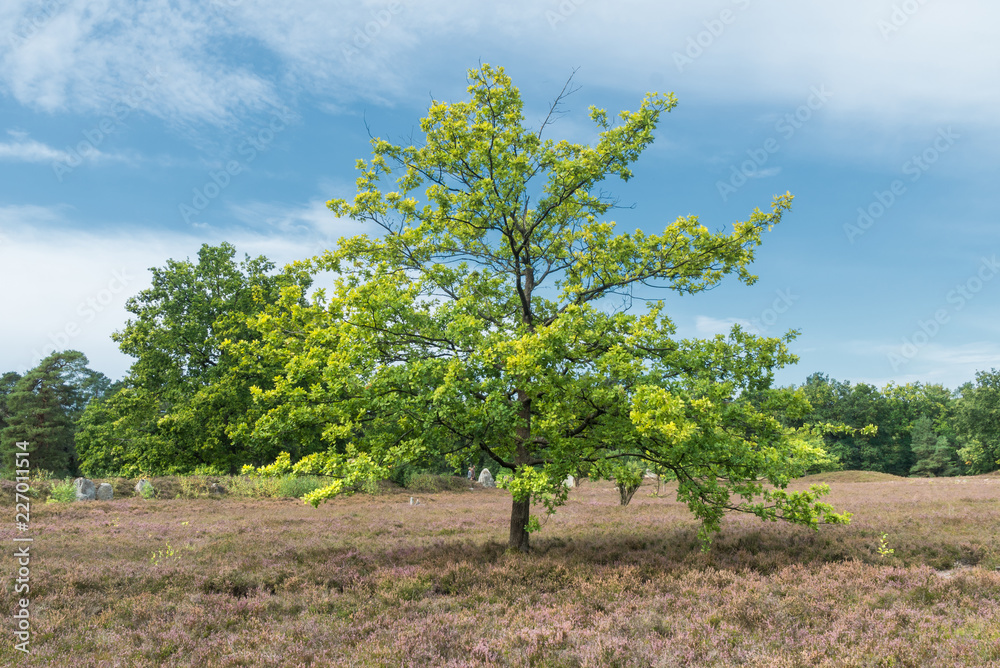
x: 187, y: 403
x: 175, y: 415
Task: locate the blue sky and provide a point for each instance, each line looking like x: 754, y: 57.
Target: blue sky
x: 119, y: 120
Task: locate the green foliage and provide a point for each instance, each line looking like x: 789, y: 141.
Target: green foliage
x: 895, y: 410
x: 402, y: 473
x: 293, y: 486
x: 883, y: 548
x: 935, y: 455
x: 978, y: 419
x: 41, y: 408
x: 430, y: 482
x: 627, y: 474
x: 166, y: 555
x: 62, y: 491
x: 476, y: 325
x: 182, y: 403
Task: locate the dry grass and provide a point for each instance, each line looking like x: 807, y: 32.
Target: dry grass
x: 374, y: 581
x: 851, y: 476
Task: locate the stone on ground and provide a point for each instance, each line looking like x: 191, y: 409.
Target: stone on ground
x: 84, y: 488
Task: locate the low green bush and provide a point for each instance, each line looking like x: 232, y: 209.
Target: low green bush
x: 285, y: 486
x: 430, y: 482
x: 295, y: 486
x: 62, y: 491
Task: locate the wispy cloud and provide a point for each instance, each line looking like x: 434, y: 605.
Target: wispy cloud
x: 948, y: 364
x: 31, y: 151
x: 24, y: 149
x: 309, y: 223
x: 84, y: 54
x: 708, y: 326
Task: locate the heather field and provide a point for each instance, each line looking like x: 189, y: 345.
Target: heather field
x: 375, y: 581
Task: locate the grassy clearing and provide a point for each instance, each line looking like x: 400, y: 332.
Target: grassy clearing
x: 374, y: 581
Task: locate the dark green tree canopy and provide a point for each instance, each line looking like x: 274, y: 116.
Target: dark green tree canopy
x: 978, y: 417
x: 190, y: 386
x: 42, y: 407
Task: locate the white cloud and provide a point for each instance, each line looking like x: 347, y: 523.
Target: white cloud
x: 708, y: 326
x: 764, y: 173
x: 72, y: 285
x: 87, y: 54
x: 23, y: 149
x: 312, y: 223
x: 31, y: 151
x: 950, y: 364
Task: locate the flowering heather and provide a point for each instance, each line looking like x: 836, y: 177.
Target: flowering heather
x: 374, y: 581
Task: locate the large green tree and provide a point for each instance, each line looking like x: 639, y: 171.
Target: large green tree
x: 42, y: 408
x: 481, y: 320
x: 190, y: 384
x: 977, y: 416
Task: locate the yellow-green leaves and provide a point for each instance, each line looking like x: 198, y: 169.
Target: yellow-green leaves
x: 658, y: 413
x: 480, y: 323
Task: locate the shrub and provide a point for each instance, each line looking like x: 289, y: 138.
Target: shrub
x: 401, y: 474
x: 209, y: 470
x: 430, y: 482
x: 296, y: 486
x: 62, y: 491
x: 280, y: 486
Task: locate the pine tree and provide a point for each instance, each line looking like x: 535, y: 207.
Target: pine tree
x: 41, y: 408
x: 934, y: 454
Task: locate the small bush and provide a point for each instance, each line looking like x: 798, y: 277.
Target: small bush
x: 401, y: 474
x: 295, y: 486
x: 209, y: 470
x: 285, y: 486
x: 192, y: 487
x: 62, y: 491
x: 430, y: 483
x: 245, y: 486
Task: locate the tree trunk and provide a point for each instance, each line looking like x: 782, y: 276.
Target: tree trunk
x: 520, y: 511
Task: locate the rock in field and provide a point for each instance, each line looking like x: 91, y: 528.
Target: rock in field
x: 486, y: 479
x: 84, y: 488
x: 105, y: 492
x: 143, y: 488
